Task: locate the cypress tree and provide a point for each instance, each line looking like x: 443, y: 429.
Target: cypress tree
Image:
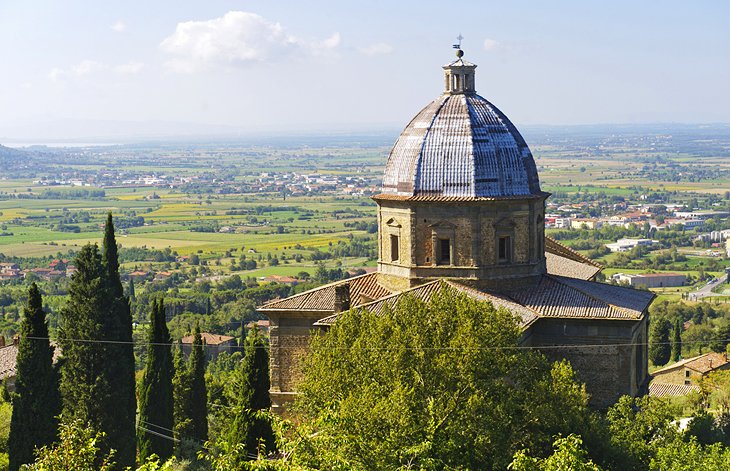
x: 255, y: 391
x: 255, y: 368
x: 677, y: 341
x: 198, y: 392
x: 659, y: 348
x: 85, y: 386
x: 38, y: 400
x: 120, y: 364
x: 156, y: 395
x: 130, y: 290
x: 181, y: 396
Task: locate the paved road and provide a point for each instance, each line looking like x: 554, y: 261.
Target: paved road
x: 706, y: 290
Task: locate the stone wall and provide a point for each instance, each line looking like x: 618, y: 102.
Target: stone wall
x: 682, y: 375
x: 608, y: 369
x: 473, y: 229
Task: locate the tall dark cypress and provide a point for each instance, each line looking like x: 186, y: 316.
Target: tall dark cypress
x: 38, y: 400
x: 198, y: 391
x: 156, y: 396
x: 255, y: 391
x: 85, y: 387
x: 120, y: 364
x: 677, y: 341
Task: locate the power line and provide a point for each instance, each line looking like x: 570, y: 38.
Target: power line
x: 501, y: 347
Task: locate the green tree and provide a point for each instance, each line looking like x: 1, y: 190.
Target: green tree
x: 659, y: 345
x: 247, y: 428
x: 677, y: 341
x: 38, y: 400
x: 435, y: 385
x: 122, y: 403
x: 156, y: 394
x: 130, y: 290
x: 569, y: 455
x: 77, y: 450
x: 198, y: 392
x: 638, y: 427
x: 721, y: 338
x: 85, y: 387
x: 181, y: 403
x: 681, y: 455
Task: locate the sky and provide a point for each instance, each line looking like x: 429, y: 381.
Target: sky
x: 76, y: 69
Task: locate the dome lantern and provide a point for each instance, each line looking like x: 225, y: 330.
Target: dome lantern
x: 459, y: 76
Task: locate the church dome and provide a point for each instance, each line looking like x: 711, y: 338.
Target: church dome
x: 460, y: 146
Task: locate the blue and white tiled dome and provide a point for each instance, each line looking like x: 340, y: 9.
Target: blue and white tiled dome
x: 460, y: 146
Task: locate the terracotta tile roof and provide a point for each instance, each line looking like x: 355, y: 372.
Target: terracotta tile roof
x: 208, y: 338
x: 363, y: 289
x: 556, y: 248
x: 563, y: 266
x: 671, y: 390
x: 562, y: 297
x: 556, y: 297
x: 704, y: 363
x: 9, y: 358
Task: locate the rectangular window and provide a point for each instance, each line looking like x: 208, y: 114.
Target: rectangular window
x: 687, y: 382
x: 686, y: 373
x: 444, y: 252
x: 394, y: 248
x: 504, y: 250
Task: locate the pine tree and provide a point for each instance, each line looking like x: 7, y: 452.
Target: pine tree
x: 38, y: 400
x: 198, y: 392
x: 677, y: 341
x: 120, y: 364
x: 156, y: 394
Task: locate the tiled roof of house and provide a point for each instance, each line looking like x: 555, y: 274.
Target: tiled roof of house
x: 9, y: 358
x: 702, y: 363
x: 551, y: 297
x: 670, y: 390
x: 208, y: 338
x: 426, y: 291
x: 363, y: 289
x: 564, y: 266
x: 554, y: 247
x: 557, y: 296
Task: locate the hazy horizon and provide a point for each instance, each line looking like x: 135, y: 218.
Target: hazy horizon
x: 79, y: 70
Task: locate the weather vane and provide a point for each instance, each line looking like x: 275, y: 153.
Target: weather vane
x: 458, y: 45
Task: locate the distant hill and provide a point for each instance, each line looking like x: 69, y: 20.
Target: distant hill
x: 9, y: 155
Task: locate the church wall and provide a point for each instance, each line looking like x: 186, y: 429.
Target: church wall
x: 608, y: 369
x: 289, y: 335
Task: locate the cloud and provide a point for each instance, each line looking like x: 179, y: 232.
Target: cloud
x: 89, y: 67
x: 129, y: 68
x: 236, y: 38
x: 376, y: 49
x: 490, y: 44
x: 119, y: 26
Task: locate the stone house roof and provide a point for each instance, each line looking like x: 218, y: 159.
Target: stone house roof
x: 208, y: 339
x: 9, y: 359
x: 426, y: 291
x: 363, y: 289
x: 551, y: 297
x: 702, y: 364
x: 657, y: 389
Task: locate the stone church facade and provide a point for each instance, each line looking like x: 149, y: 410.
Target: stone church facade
x: 461, y: 208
